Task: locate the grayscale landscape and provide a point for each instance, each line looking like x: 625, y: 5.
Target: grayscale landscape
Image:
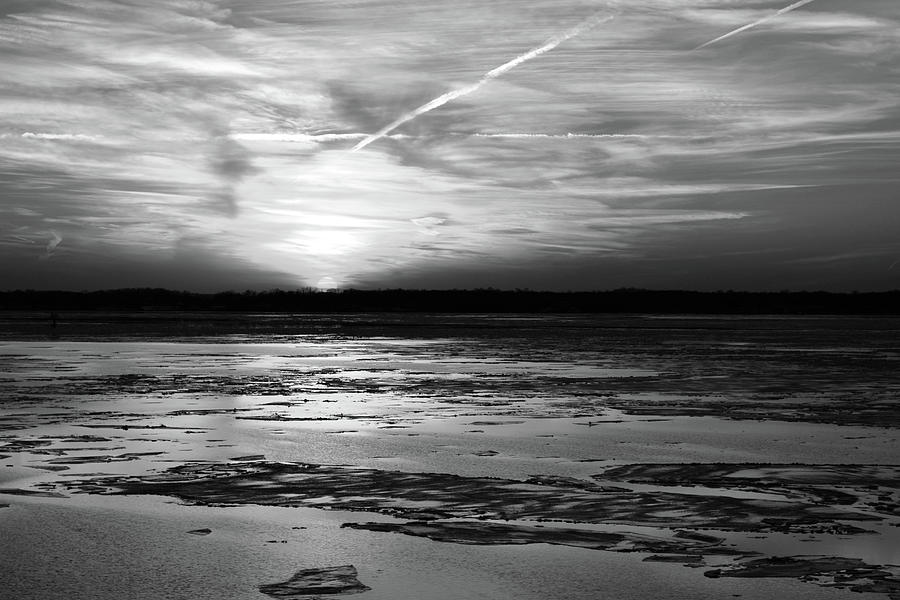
x: 469, y: 300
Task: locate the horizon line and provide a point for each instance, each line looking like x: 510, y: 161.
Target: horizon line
x: 336, y: 290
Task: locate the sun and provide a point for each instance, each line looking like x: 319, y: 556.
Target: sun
x: 327, y: 283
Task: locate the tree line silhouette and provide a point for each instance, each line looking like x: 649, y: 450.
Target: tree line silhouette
x: 626, y: 300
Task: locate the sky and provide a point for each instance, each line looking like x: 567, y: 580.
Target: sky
x: 215, y: 145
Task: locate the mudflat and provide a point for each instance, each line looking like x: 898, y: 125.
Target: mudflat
x: 451, y: 456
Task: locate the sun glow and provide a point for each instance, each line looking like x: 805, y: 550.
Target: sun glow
x: 326, y: 242
x: 327, y: 283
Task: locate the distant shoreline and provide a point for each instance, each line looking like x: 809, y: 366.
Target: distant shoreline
x: 620, y: 301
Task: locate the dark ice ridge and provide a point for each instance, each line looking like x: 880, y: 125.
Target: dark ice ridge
x: 441, y: 495
x: 818, y: 499
x: 846, y: 573
x: 308, y: 584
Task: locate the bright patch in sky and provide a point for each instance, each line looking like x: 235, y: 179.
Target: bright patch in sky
x: 332, y: 242
x: 507, y: 143
x: 327, y: 283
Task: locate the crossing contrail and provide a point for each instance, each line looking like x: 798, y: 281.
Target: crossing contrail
x: 550, y: 44
x: 786, y: 9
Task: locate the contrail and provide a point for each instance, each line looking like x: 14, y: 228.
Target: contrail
x: 492, y: 74
x: 786, y: 9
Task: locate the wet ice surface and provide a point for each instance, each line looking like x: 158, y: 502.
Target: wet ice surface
x: 595, y: 410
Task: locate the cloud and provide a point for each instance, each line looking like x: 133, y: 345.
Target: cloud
x: 430, y: 225
x: 231, y: 163
x: 55, y: 240
x: 217, y: 135
x: 494, y: 73
x: 298, y: 137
